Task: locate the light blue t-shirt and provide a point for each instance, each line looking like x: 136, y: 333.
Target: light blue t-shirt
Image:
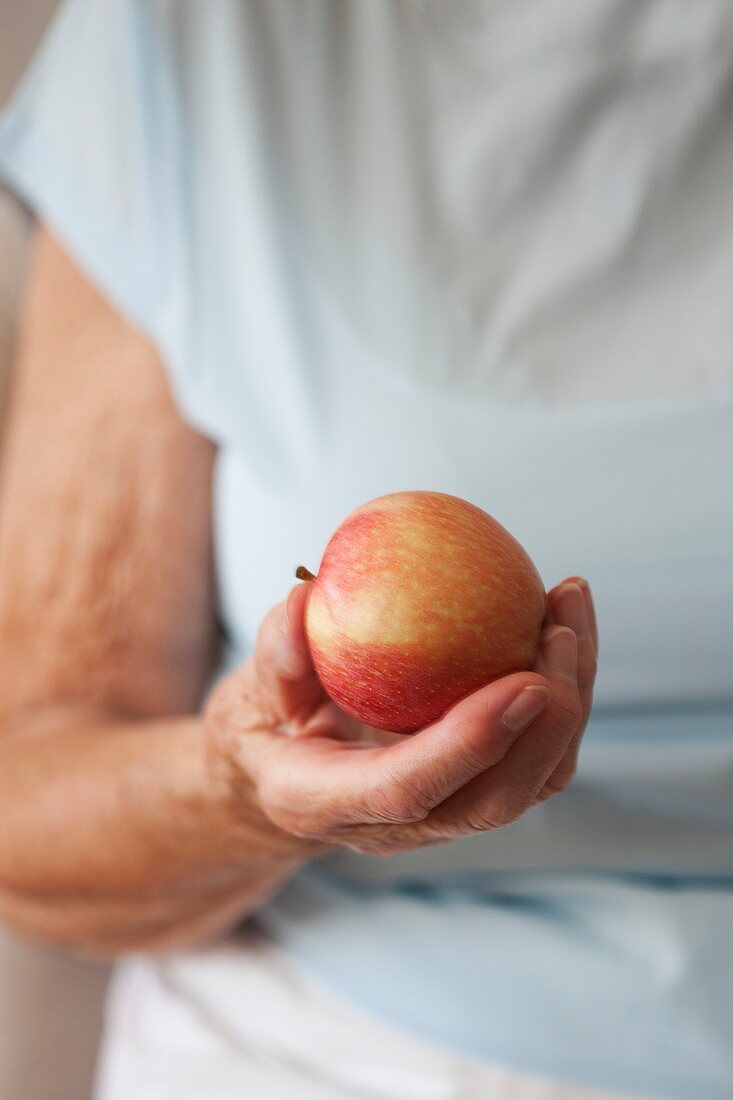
x: 485, y: 249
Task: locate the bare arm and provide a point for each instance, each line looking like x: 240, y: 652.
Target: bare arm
x: 125, y: 818
x: 109, y: 833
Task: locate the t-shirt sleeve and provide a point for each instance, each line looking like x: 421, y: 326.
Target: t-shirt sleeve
x: 89, y: 142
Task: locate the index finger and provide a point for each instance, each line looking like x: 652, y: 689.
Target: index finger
x: 402, y: 782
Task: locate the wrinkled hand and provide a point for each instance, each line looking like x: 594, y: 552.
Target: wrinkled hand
x: 309, y: 778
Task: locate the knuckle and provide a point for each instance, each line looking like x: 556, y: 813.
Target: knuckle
x: 388, y: 840
x: 268, y: 627
x: 556, y: 784
x: 551, y: 790
x: 479, y: 757
x: 376, y: 848
x: 275, y: 810
x: 371, y: 840
x: 482, y: 823
x: 267, y: 643
x: 497, y: 816
x: 398, y: 800
x: 567, y: 711
x: 273, y: 789
x: 230, y: 708
x: 587, y: 661
x: 295, y: 824
x: 282, y: 806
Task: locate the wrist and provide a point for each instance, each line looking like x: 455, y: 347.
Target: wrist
x: 237, y: 817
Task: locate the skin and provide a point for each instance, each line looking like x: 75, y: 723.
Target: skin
x: 133, y: 816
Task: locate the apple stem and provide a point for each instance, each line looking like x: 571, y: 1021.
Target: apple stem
x: 304, y: 574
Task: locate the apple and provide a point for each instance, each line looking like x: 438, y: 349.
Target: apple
x: 420, y: 599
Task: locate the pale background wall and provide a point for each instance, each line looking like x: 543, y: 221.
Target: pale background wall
x: 50, y: 1003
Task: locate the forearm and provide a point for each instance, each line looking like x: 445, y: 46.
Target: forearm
x: 113, y: 834
x: 112, y: 831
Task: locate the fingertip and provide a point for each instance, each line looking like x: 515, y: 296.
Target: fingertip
x: 496, y: 696
x: 527, y: 705
x: 538, y: 685
x: 584, y: 586
x: 580, y: 581
x: 471, y: 736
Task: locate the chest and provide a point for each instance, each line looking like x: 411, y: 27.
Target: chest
x: 509, y: 202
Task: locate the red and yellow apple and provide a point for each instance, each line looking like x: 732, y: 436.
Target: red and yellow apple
x: 420, y: 599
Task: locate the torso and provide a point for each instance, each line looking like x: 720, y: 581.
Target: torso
x: 485, y: 249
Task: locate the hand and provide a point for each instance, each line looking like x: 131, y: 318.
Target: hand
x: 309, y: 778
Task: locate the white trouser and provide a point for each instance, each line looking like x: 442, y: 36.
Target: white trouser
x: 241, y: 1021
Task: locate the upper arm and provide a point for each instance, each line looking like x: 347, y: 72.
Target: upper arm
x: 106, y: 591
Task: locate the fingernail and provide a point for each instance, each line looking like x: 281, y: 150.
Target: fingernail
x: 530, y: 702
x: 571, y: 609
x: 561, y: 651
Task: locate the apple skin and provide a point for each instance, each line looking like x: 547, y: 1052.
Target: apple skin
x: 420, y: 599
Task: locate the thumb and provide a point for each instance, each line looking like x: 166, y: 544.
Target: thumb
x: 285, y: 677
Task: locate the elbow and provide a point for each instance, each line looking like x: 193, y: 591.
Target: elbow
x: 94, y: 933
x: 50, y: 925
